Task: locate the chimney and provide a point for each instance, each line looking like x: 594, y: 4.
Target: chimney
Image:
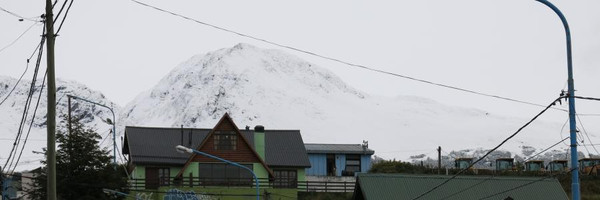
x: 182, y: 135
x: 259, y: 140
x: 190, y: 139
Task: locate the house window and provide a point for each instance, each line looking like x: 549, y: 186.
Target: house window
x: 285, y: 179
x: 352, y: 165
x: 224, y: 174
x: 164, y: 174
x: 225, y: 140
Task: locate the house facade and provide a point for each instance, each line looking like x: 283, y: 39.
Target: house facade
x: 336, y: 160
x: 277, y: 157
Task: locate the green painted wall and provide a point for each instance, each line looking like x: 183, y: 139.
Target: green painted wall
x: 139, y: 172
x: 301, y: 175
x: 259, y: 170
x: 191, y: 168
x: 259, y: 144
x: 174, y: 171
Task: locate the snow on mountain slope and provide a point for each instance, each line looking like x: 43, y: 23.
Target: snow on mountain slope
x: 281, y: 91
x: 12, y: 109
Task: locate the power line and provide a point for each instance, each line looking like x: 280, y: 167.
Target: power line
x: 528, y: 183
x: 26, y: 68
x: 65, y: 17
x: 21, y: 18
x: 32, y: 120
x: 14, y: 41
x: 546, y: 149
x: 587, y: 98
x: 106, y: 136
x: 589, y: 115
x: 587, y: 135
x: 341, y: 61
x: 492, y: 150
x: 26, y: 108
x: 492, y: 177
x: 563, y: 128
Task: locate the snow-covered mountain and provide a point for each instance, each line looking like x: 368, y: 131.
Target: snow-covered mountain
x: 281, y: 91
x: 12, y: 110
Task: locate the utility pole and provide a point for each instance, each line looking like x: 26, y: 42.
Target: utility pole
x: 51, y: 116
x: 69, y: 110
x: 439, y: 150
x: 571, y: 97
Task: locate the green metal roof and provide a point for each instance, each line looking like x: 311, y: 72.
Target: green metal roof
x: 401, y: 186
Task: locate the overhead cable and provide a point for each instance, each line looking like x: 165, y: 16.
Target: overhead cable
x: 21, y: 18
x: 17, y: 39
x: 528, y: 183
x: 492, y: 150
x: 492, y: 177
x: 341, y: 61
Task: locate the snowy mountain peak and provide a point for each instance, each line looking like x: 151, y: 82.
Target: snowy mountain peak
x: 238, y: 80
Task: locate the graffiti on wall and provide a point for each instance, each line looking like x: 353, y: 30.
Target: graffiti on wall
x: 175, y: 194
x: 143, y: 196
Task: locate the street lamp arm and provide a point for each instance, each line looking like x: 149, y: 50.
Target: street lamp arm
x: 95, y: 103
x: 114, y: 123
x: 559, y: 13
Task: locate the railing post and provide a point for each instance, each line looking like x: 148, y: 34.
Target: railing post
x: 306, y: 186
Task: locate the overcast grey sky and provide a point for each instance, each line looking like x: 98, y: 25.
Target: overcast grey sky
x: 512, y: 48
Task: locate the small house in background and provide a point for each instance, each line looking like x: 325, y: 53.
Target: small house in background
x: 589, y: 165
x: 557, y: 165
x: 338, y: 159
x: 534, y: 165
x: 463, y: 163
x: 503, y: 164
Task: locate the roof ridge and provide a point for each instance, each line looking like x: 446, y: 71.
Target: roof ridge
x: 154, y: 127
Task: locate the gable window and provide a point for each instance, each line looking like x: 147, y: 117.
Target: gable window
x: 352, y: 165
x: 225, y: 140
x: 285, y: 179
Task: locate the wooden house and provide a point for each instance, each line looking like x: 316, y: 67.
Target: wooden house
x: 277, y: 157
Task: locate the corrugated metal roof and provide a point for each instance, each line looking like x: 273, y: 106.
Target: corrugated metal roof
x: 400, y: 186
x: 149, y: 145
x: 337, y: 148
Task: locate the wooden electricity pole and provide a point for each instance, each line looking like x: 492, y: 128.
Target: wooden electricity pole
x: 51, y: 117
x: 439, y: 150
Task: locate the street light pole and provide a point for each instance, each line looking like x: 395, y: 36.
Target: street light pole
x: 571, y: 95
x: 182, y: 149
x: 113, y: 123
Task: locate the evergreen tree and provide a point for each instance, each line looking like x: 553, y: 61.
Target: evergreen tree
x: 83, y: 168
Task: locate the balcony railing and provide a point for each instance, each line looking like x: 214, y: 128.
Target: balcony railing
x: 306, y: 186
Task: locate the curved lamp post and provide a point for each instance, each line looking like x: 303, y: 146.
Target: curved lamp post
x: 571, y: 96
x: 183, y: 149
x: 113, y: 123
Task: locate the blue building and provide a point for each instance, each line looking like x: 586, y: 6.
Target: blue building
x: 338, y: 159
